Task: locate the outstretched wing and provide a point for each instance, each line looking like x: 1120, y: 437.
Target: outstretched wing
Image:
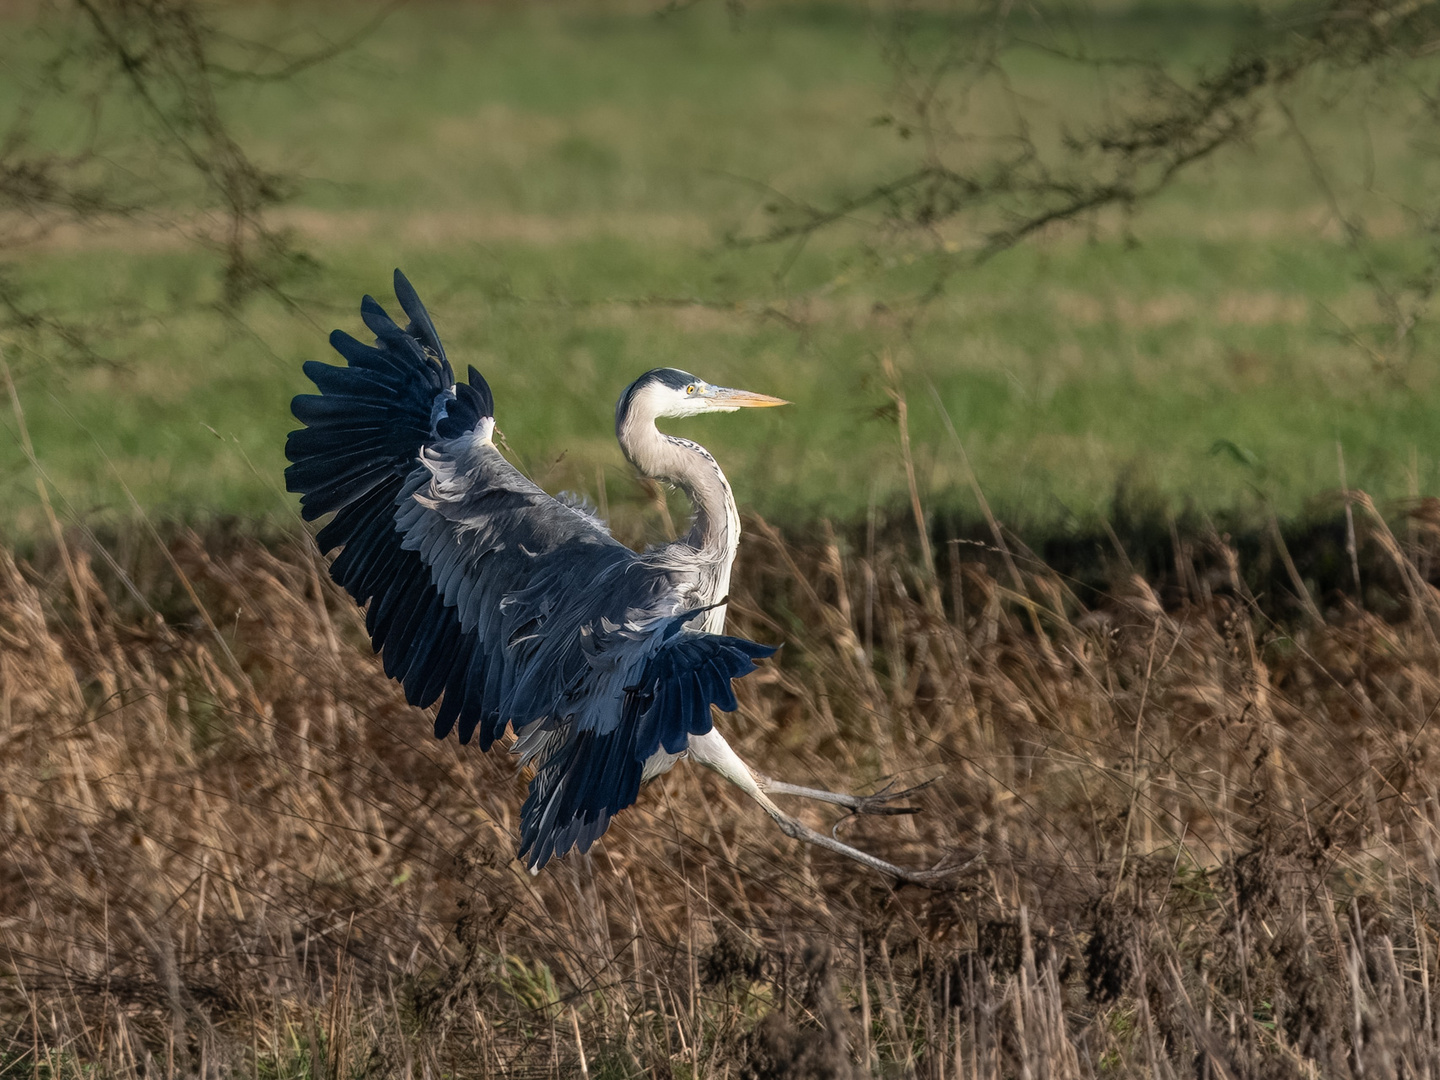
x: 483, y: 592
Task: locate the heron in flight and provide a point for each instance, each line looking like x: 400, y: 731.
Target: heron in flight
x: 515, y: 609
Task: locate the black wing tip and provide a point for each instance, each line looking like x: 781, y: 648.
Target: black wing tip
x: 297, y: 403
x: 481, y: 387
x: 421, y: 325
x: 410, y: 301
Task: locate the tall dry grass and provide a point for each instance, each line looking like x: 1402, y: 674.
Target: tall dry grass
x: 1189, y: 842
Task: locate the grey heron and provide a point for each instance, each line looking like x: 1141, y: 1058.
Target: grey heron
x: 518, y: 610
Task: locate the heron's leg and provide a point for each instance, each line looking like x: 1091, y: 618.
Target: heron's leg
x: 857, y: 804
x: 712, y: 751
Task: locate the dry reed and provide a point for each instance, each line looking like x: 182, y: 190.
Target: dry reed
x: 1194, y: 843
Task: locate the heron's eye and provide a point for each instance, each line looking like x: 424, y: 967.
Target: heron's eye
x: 690, y: 389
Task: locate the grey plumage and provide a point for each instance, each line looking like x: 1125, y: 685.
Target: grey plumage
x: 509, y: 606
x: 516, y: 610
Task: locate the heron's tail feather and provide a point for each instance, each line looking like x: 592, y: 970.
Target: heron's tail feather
x: 590, y: 775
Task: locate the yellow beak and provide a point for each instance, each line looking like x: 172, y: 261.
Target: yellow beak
x: 743, y: 399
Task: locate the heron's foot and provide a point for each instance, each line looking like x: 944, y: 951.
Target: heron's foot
x: 937, y: 876
x: 879, y: 802
x: 931, y: 878
x: 951, y: 866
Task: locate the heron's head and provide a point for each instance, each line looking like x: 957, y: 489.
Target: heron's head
x: 671, y: 392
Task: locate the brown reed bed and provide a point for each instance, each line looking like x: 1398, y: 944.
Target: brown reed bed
x: 1189, y: 841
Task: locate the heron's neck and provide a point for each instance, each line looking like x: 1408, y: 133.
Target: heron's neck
x: 716, y: 529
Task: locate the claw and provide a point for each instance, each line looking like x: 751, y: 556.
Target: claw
x: 875, y: 804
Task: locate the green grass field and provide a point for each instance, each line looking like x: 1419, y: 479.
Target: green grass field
x: 559, y: 184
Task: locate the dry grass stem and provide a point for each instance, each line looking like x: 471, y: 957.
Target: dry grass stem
x: 1203, y: 843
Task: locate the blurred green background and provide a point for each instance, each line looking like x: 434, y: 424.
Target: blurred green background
x: 563, y: 184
